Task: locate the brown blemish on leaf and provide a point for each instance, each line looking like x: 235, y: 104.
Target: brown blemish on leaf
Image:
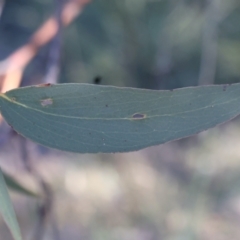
x: 46, y: 102
x: 44, y: 85
x: 138, y: 116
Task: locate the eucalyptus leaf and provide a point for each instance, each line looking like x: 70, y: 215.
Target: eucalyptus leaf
x: 88, y: 118
x: 16, y: 186
x: 7, y: 210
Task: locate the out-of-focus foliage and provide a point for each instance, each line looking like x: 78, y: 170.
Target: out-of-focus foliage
x: 144, y: 43
x: 14, y: 185
x: 7, y: 211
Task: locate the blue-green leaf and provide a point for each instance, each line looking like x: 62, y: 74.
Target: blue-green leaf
x: 90, y: 119
x: 7, y: 210
x: 16, y: 186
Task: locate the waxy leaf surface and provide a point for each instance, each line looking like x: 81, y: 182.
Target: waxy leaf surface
x: 87, y: 118
x: 7, y: 210
x: 17, y: 187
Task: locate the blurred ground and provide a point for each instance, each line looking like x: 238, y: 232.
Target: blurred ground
x: 182, y: 190
x: 186, y: 190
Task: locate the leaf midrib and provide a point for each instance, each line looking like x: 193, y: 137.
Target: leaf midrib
x: 110, y: 119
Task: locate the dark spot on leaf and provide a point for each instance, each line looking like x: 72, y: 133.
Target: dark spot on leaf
x: 106, y: 105
x: 97, y: 80
x: 46, y: 102
x: 138, y: 116
x: 13, y: 99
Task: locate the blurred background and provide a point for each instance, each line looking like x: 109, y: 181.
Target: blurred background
x: 183, y: 190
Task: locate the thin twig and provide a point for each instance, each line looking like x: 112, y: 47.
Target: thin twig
x: 2, y: 3
x: 21, y: 57
x: 45, y: 209
x: 11, y: 69
x: 210, y: 43
x: 55, y: 48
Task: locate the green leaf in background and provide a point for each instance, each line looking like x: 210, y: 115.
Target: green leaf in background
x: 90, y: 119
x: 17, y: 187
x: 7, y: 210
